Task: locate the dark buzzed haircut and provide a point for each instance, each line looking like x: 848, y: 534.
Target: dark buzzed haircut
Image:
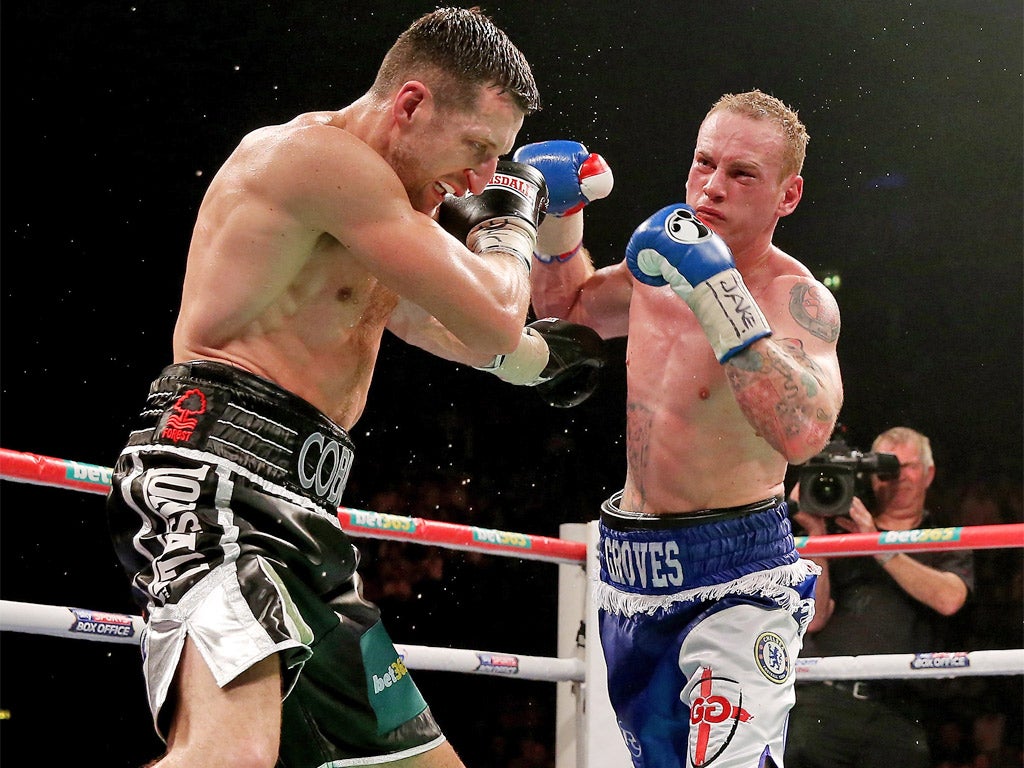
x: 455, y: 51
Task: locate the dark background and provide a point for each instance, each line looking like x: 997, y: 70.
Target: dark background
x: 115, y: 115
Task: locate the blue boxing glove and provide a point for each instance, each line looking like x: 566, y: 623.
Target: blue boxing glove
x: 574, y: 176
x: 673, y: 247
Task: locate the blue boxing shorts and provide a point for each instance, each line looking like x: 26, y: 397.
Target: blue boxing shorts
x: 701, y: 616
x: 223, y: 511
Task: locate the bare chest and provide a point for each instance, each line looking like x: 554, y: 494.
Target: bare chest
x: 335, y: 297
x: 669, y: 359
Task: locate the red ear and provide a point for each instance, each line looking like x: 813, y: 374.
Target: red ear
x: 410, y: 97
x: 791, y: 197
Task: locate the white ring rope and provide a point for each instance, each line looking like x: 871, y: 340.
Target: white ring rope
x: 84, y: 624
x: 79, y: 623
x: 912, y: 665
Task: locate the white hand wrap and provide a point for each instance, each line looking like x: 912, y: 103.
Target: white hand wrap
x: 524, y: 365
x: 506, y: 234
x: 727, y: 312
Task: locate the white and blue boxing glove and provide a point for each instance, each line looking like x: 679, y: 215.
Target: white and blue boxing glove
x: 575, y: 177
x: 673, y: 247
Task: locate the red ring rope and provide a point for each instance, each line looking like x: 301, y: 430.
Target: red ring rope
x: 92, y: 478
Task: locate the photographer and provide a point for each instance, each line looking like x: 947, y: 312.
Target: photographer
x: 888, y: 603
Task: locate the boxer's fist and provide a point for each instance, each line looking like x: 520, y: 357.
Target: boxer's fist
x: 575, y: 176
x: 676, y: 248
x: 559, y: 358
x: 673, y: 247
x: 576, y: 355
x: 504, y: 216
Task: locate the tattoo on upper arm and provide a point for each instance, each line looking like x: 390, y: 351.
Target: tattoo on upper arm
x: 817, y: 316
x: 795, y: 348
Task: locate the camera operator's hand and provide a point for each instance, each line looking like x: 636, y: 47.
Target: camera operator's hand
x: 858, y: 520
x: 813, y: 525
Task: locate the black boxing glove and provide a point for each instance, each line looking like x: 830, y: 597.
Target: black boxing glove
x: 559, y: 358
x: 504, y: 217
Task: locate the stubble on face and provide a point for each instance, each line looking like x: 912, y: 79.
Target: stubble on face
x: 408, y: 166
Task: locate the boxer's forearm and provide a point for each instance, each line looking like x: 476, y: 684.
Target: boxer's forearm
x: 786, y: 397
x: 559, y: 239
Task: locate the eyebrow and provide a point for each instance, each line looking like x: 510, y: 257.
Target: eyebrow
x: 743, y: 163
x: 747, y: 165
x: 487, y: 142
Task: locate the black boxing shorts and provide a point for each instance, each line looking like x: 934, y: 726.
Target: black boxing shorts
x: 223, y: 510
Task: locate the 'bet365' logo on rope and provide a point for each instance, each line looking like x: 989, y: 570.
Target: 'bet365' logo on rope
x: 88, y: 473
x: 922, y: 535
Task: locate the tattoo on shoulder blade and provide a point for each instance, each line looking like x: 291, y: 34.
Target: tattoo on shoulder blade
x: 817, y: 316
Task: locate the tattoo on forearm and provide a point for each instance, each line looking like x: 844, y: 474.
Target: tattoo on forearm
x: 770, y: 388
x: 809, y: 370
x: 817, y: 316
x: 750, y: 360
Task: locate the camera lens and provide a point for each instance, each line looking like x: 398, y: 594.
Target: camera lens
x: 827, y: 490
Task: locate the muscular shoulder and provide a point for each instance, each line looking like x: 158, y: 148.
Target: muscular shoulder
x: 314, y: 147
x: 314, y: 169
x: 781, y: 265
x: 790, y: 292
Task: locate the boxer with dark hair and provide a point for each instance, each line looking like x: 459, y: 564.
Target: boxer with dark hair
x: 732, y: 374
x: 313, y: 238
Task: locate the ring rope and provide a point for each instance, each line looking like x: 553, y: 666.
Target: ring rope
x: 83, y: 624
x: 93, y: 478
x: 112, y: 627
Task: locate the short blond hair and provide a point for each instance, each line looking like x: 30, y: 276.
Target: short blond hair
x: 907, y: 436
x: 761, y: 106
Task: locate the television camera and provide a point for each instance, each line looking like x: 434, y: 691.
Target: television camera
x: 830, y: 479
